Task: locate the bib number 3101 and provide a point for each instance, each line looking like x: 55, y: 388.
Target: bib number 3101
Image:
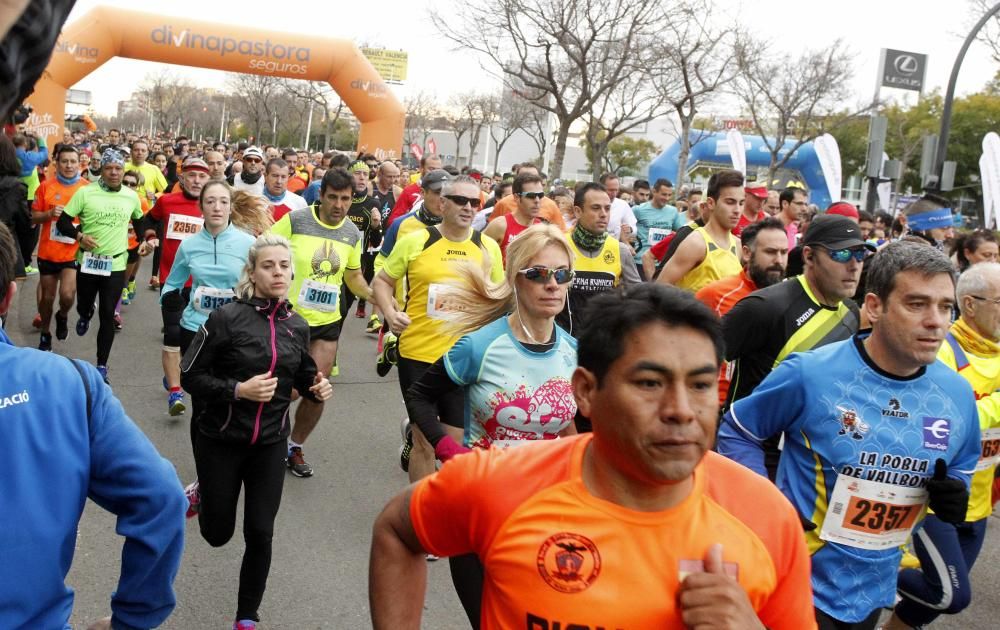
x: 319, y: 296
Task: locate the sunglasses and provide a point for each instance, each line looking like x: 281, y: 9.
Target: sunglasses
x: 252, y: 160
x: 132, y: 184
x: 844, y: 256
x: 460, y: 201
x: 531, y: 195
x: 541, y: 275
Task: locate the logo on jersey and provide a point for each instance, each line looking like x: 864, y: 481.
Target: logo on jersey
x: 936, y: 433
x: 609, y: 258
x: 895, y: 410
x: 325, y: 261
x: 852, y: 424
x: 569, y: 562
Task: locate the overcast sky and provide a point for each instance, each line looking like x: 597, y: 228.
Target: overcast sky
x: 932, y: 27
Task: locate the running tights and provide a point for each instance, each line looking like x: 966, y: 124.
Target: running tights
x: 106, y: 290
x: 223, y: 468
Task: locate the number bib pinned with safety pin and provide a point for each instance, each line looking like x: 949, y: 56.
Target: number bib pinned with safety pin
x: 97, y: 264
x: 871, y: 515
x: 990, y: 456
x: 319, y: 296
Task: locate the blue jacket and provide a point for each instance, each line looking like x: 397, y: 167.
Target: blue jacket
x: 31, y: 159
x: 211, y: 263
x: 311, y: 193
x: 43, y: 408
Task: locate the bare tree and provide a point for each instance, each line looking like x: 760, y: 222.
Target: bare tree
x: 458, y: 123
x: 478, y: 110
x: 323, y: 96
x: 422, y: 110
x: 512, y: 113
x: 792, y: 101
x: 168, y: 96
x: 990, y: 35
x: 691, y: 60
x: 254, y: 97
x: 539, y: 128
x: 565, y: 53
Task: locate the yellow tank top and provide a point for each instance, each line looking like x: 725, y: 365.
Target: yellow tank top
x: 719, y: 263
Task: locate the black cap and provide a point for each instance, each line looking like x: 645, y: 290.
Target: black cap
x: 435, y: 179
x: 834, y: 232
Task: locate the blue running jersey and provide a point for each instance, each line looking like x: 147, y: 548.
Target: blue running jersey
x: 844, y: 418
x: 511, y: 393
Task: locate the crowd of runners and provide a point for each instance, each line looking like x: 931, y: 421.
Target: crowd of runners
x: 672, y: 353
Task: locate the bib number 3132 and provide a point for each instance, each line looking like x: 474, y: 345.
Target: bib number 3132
x: 97, y: 264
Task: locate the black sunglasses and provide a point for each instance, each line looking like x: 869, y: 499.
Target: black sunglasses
x: 531, y: 195
x: 541, y: 275
x: 460, y: 201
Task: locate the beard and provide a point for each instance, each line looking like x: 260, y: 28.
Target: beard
x: 765, y: 276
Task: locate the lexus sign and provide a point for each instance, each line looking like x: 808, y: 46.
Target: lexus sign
x: 903, y: 70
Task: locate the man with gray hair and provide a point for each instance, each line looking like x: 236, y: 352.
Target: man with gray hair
x: 875, y: 430
x: 947, y: 551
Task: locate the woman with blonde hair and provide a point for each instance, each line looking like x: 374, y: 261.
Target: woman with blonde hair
x: 513, y: 363
x: 244, y: 362
x: 251, y: 213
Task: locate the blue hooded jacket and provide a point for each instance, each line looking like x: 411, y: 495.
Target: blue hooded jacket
x: 107, y: 458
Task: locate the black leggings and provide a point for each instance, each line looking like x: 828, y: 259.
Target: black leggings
x: 187, y: 336
x: 107, y: 290
x: 346, y: 296
x: 451, y: 406
x: 223, y: 467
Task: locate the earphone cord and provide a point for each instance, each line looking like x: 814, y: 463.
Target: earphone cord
x: 517, y: 309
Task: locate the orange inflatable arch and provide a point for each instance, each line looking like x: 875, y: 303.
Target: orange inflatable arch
x: 107, y: 32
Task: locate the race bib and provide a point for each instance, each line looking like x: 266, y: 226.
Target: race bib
x: 871, y: 515
x: 97, y: 264
x: 438, y: 307
x: 319, y: 296
x: 181, y: 226
x: 990, y: 456
x: 658, y: 234
x: 207, y: 299
x: 59, y: 237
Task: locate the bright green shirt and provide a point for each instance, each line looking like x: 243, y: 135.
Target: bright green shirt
x: 154, y: 182
x: 320, y: 255
x: 105, y: 216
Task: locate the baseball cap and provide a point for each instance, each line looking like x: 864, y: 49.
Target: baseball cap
x: 435, y: 179
x: 194, y: 164
x: 254, y: 152
x: 834, y: 232
x: 757, y: 190
x: 844, y: 209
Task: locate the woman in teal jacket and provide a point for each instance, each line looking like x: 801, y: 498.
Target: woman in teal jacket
x: 213, y: 259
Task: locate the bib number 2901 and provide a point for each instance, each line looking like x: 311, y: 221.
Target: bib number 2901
x: 96, y: 264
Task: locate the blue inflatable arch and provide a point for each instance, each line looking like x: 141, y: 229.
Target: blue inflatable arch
x: 711, y: 149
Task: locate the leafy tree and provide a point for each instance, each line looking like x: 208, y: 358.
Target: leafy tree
x: 624, y: 155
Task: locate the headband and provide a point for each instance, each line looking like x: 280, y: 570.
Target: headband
x: 111, y: 156
x: 923, y: 221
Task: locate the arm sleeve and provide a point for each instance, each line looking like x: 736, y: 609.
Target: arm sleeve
x: 197, y: 366
x: 772, y: 408
x: 179, y: 273
x: 130, y: 479
x: 422, y: 397
x: 306, y: 374
x: 65, y: 224
x: 630, y: 275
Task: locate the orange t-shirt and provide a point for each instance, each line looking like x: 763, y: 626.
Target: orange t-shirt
x: 296, y: 184
x: 549, y: 210
x: 554, y: 553
x: 133, y: 239
x: 52, y: 193
x: 721, y: 296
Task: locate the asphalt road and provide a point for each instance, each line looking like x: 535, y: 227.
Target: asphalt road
x: 319, y: 570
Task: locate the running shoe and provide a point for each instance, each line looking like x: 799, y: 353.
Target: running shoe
x: 359, y: 313
x: 131, y: 290
x: 432, y: 558
x: 193, y: 494
x: 37, y: 322
x: 45, y: 342
x: 119, y: 324
x: 103, y: 370
x: 175, y: 404
x: 297, y: 464
x: 126, y: 300
x: 404, y: 449
x: 62, y: 327
x: 30, y: 271
x: 389, y: 355
x: 82, y: 326
x: 374, y: 324
x: 154, y: 284
x: 244, y: 624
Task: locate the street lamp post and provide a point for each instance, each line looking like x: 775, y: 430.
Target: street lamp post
x: 942, y: 147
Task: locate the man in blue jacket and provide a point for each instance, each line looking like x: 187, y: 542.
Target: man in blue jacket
x: 62, y: 408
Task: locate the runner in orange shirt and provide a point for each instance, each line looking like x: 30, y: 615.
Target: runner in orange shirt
x: 765, y: 256
x: 637, y: 525
x: 56, y: 252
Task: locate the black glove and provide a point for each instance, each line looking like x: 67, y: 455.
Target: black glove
x: 947, y: 497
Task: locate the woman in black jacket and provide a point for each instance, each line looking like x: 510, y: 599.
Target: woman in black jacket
x: 246, y: 360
